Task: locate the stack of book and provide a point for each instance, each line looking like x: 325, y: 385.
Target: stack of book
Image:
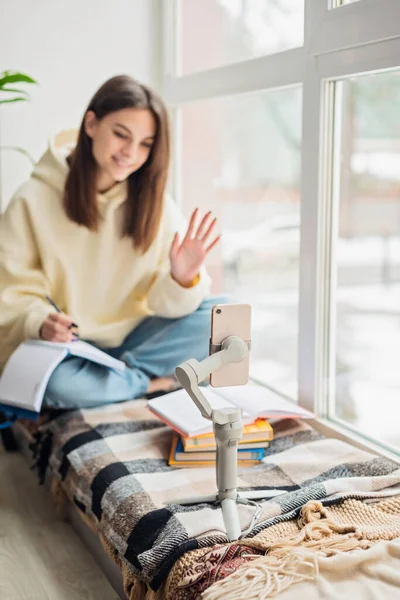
x: 194, y: 443
x: 200, y: 451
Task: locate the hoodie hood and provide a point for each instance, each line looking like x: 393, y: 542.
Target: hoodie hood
x: 52, y: 169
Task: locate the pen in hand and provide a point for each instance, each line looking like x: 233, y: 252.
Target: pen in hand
x: 54, y: 305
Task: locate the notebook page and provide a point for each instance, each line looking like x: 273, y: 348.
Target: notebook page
x: 262, y: 402
x: 85, y: 350
x: 26, y: 374
x: 179, y: 410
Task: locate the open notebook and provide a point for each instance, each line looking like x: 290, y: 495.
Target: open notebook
x: 179, y: 411
x: 28, y: 370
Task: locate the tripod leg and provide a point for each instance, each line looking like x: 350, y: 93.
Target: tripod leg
x: 231, y: 518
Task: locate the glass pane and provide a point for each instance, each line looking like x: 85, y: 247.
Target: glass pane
x: 241, y: 158
x: 218, y: 32
x: 368, y: 256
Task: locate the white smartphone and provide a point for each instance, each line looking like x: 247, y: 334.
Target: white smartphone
x: 230, y: 319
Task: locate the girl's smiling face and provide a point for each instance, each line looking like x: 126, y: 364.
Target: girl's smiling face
x: 121, y: 143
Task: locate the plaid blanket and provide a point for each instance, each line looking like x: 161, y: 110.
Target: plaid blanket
x: 112, y: 462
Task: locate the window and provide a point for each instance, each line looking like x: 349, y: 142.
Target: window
x: 285, y: 124
x: 242, y: 159
x: 368, y: 255
x: 338, y: 3
x: 218, y: 32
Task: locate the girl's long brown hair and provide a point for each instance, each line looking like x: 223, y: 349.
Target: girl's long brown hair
x: 146, y: 186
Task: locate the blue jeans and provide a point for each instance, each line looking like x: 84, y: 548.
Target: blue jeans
x: 153, y: 349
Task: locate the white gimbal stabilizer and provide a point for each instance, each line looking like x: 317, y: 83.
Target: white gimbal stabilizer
x: 228, y: 429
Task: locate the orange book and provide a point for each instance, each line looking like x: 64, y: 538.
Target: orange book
x: 173, y: 462
x: 259, y: 434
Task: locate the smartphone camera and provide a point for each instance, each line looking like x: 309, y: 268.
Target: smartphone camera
x: 218, y: 311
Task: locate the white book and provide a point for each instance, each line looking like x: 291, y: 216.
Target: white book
x: 28, y: 370
x: 180, y: 412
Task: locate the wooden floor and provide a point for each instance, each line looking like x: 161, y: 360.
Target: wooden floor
x: 41, y: 558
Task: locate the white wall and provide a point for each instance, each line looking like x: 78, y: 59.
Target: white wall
x: 70, y: 47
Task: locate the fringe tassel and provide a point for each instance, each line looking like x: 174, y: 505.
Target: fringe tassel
x: 261, y: 579
x: 289, y: 561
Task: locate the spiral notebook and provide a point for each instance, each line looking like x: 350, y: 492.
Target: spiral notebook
x: 28, y: 370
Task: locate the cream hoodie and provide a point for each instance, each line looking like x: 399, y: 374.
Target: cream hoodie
x: 96, y: 277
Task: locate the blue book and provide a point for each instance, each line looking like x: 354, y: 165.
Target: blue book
x: 17, y: 412
x: 28, y: 370
x: 210, y: 455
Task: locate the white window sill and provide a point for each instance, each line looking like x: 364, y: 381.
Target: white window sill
x: 340, y: 432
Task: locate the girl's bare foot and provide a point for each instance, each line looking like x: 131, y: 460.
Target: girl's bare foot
x: 161, y: 383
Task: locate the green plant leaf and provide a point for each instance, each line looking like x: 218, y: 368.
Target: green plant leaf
x: 9, y: 100
x: 13, y: 77
x: 15, y: 91
x: 21, y: 151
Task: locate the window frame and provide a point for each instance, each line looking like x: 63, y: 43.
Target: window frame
x: 339, y: 42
